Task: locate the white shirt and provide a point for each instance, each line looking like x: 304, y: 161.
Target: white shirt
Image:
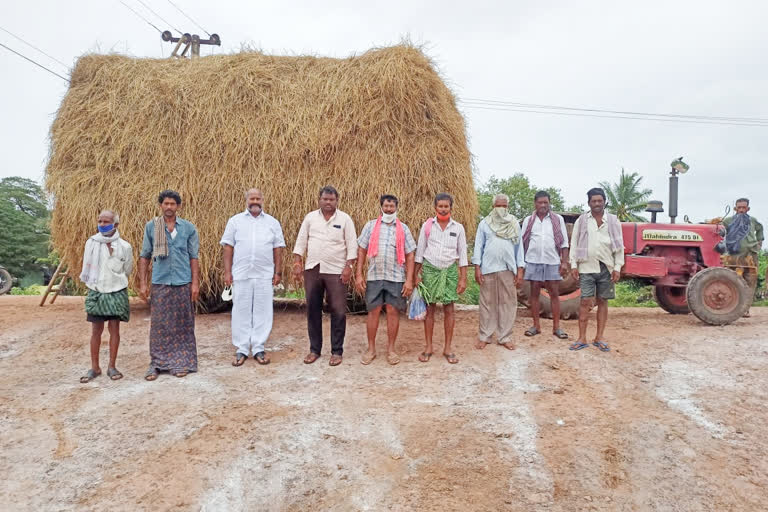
x: 443, y: 247
x: 114, y: 269
x: 253, y: 239
x: 599, y: 248
x: 541, y: 246
x: 328, y: 243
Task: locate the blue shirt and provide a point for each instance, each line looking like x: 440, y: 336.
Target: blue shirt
x: 173, y: 270
x: 495, y: 254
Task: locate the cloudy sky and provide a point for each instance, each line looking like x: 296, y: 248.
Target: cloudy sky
x: 684, y: 57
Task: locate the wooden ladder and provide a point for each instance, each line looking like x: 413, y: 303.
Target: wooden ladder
x: 61, y: 271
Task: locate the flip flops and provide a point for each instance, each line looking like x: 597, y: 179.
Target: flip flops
x: 311, y: 358
x: 451, y: 358
x: 424, y: 357
x: 89, y: 376
x: 239, y: 359
x: 261, y: 358
x: 114, y: 374
x: 393, y: 358
x: 367, y: 358
x: 335, y: 360
x: 577, y: 346
x: 602, y: 346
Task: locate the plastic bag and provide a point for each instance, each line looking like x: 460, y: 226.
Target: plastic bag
x: 417, y: 307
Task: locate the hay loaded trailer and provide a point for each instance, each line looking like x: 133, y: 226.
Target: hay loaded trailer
x: 681, y: 263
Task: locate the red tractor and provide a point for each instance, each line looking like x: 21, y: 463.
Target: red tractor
x: 681, y: 262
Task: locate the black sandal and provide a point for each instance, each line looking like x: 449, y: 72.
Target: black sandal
x: 560, y: 334
x: 151, y: 374
x: 89, y: 376
x: 114, y: 373
x: 261, y: 358
x: 532, y: 331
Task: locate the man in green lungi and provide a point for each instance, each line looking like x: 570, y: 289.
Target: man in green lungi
x: 441, y: 261
x: 172, y: 244
x: 107, y: 263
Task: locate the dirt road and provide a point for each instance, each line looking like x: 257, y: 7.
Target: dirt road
x: 673, y: 419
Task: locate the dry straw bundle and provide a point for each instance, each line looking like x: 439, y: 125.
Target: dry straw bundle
x: 383, y: 122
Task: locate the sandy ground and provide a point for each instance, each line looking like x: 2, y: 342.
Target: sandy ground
x: 673, y: 419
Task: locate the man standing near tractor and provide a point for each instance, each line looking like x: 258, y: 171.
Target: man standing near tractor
x: 545, y: 240
x: 597, y: 256
x: 743, y: 241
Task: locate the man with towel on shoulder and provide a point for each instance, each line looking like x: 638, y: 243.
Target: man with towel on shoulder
x: 499, y: 264
x: 743, y: 241
x: 389, y: 247
x: 441, y: 261
x: 107, y: 263
x: 597, y: 256
x: 172, y: 244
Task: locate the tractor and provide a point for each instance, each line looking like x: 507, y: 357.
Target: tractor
x: 682, y: 264
x: 6, y: 281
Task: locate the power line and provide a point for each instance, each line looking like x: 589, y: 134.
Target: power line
x: 190, y: 19
x: 495, y: 103
x: 576, y: 114
x: 34, y: 62
x: 34, y: 47
x: 140, y: 16
x: 161, y: 18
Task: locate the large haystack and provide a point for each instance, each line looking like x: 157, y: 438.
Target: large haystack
x: 383, y: 122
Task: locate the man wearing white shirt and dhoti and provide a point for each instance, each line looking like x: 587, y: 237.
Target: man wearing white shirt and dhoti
x: 107, y: 263
x: 545, y: 240
x: 253, y: 254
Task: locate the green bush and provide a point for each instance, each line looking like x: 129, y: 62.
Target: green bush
x: 29, y: 290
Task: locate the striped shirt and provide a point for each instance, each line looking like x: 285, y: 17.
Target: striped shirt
x: 328, y: 243
x: 443, y: 247
x: 384, y: 267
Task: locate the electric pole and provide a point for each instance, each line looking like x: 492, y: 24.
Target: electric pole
x: 190, y: 41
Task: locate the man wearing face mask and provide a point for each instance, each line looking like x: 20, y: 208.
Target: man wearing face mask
x: 499, y: 263
x: 743, y: 241
x: 253, y: 255
x: 441, y: 262
x: 107, y: 263
x: 389, y: 247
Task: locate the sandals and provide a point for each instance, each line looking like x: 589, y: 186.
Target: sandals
x: 451, y: 358
x: 89, y: 376
x: 311, y: 358
x: 577, y: 346
x: 261, y: 358
x: 114, y: 374
x: 151, y: 374
x: 602, y: 346
x: 393, y: 358
x: 532, y: 331
x: 335, y: 360
x: 239, y: 359
x: 180, y: 373
x: 424, y: 357
x: 560, y: 334
x: 368, y: 357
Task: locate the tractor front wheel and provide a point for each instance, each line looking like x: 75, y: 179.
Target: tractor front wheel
x: 671, y: 299
x: 718, y: 296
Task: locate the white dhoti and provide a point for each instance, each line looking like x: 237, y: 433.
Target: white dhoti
x: 251, y: 314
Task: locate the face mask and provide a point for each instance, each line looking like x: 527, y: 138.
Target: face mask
x: 500, y: 211
x: 388, y: 218
x: 444, y: 217
x: 106, y: 229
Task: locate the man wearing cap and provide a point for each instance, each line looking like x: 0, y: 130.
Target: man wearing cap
x: 253, y: 256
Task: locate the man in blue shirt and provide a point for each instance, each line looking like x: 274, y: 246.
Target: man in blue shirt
x: 499, y: 263
x: 172, y: 244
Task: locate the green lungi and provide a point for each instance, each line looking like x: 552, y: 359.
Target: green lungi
x: 438, y: 285
x: 106, y: 306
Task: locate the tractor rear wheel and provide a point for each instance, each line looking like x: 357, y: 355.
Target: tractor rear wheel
x: 6, y: 281
x: 718, y: 296
x: 671, y: 299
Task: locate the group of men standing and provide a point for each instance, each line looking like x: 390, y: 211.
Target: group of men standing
x: 325, y: 255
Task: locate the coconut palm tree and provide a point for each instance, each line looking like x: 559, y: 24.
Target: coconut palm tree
x: 626, y: 198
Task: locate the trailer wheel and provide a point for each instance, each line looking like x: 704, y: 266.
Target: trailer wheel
x: 6, y: 281
x: 569, y: 302
x: 718, y: 296
x: 671, y: 299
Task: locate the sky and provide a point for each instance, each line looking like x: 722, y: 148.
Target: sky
x: 697, y: 57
